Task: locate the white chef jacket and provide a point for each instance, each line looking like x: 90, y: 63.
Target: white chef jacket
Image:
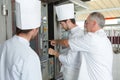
x: 18, y: 61
x: 71, y: 60
x: 97, y: 51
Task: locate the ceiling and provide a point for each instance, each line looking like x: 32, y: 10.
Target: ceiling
x: 109, y: 8
x: 53, y: 1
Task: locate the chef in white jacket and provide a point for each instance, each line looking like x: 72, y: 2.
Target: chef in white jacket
x: 96, y: 49
x: 71, y: 60
x: 18, y: 61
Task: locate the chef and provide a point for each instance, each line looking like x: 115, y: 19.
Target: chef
x: 18, y: 61
x: 71, y: 60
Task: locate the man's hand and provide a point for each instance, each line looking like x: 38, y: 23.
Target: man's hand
x: 53, y: 42
x: 62, y: 42
x: 53, y: 52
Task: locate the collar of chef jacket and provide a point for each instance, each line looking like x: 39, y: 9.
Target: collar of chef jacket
x: 99, y: 32
x: 23, y: 40
x: 78, y: 30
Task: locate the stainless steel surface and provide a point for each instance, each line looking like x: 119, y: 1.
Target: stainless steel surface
x: 44, y: 42
x: 5, y: 20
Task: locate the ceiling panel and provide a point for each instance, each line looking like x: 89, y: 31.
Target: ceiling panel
x: 109, y: 8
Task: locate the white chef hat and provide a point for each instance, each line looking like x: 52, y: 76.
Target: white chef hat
x: 28, y: 14
x: 65, y: 11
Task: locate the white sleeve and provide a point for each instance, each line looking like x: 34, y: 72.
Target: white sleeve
x: 32, y: 68
x: 63, y: 58
x: 67, y: 57
x: 80, y: 43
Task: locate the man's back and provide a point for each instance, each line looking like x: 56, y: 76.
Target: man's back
x: 18, y: 61
x: 97, y: 51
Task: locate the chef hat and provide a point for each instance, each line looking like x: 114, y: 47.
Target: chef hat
x: 28, y: 14
x: 65, y: 11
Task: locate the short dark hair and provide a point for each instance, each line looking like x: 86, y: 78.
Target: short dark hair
x: 18, y: 31
x: 72, y: 20
x: 63, y: 21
